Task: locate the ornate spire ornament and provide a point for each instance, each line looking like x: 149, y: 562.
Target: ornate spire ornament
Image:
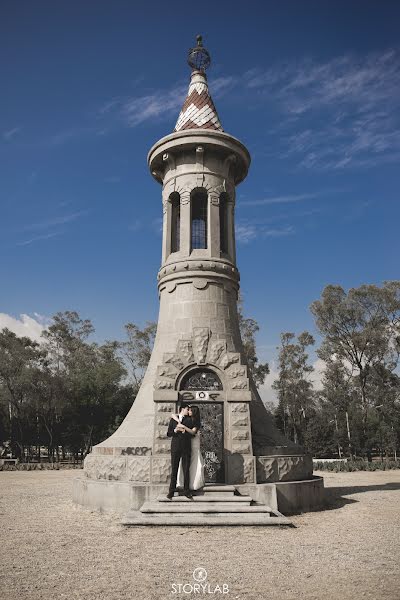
x: 198, y: 110
x: 199, y: 58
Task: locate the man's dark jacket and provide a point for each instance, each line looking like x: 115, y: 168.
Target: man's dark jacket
x: 180, y: 439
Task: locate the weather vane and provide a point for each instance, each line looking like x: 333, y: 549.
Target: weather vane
x: 199, y: 58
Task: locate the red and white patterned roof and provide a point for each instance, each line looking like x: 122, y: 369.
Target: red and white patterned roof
x: 198, y: 110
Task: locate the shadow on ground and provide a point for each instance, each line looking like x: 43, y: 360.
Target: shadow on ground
x: 336, y: 496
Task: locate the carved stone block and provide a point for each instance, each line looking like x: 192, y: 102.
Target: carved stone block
x: 228, y: 359
x: 241, y: 447
x: 240, y: 434
x: 163, y: 407
x: 160, y: 433
x: 160, y: 469
x: 163, y: 420
x: 294, y: 468
x: 248, y: 470
x: 160, y: 447
x: 241, y: 469
x: 105, y: 467
x: 267, y: 469
x: 237, y: 372
x: 175, y: 360
x: 200, y: 343
x: 185, y: 349
x: 163, y: 384
x: 138, y: 468
x: 239, y: 407
x: 240, y: 384
x: 216, y: 349
x: 238, y: 420
x: 167, y: 371
x: 89, y: 466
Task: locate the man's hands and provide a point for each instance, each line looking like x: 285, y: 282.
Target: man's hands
x: 179, y: 428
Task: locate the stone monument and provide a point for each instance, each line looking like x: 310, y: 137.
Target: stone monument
x: 198, y: 354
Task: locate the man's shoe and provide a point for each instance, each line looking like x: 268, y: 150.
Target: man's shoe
x: 189, y: 495
x: 170, y: 495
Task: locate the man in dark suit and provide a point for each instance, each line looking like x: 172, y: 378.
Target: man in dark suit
x: 181, y: 447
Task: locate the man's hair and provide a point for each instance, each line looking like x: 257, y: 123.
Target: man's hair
x: 183, y: 405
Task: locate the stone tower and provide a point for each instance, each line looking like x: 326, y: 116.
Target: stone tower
x: 198, y: 352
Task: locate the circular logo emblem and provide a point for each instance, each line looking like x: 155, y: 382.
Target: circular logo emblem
x: 200, y: 574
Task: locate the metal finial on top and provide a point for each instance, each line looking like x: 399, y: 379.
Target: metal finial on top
x: 199, y: 58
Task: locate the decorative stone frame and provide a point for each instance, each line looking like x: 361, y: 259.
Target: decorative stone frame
x: 190, y: 354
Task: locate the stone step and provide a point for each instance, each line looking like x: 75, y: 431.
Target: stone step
x: 211, y: 487
x: 203, y: 519
x: 210, y: 498
x: 202, y: 507
x: 213, y: 494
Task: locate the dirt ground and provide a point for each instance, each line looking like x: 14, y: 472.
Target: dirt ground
x: 52, y: 550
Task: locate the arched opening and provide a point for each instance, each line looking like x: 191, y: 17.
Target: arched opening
x: 199, y: 218
x: 175, y: 201
x: 201, y: 380
x: 223, y: 222
x: 211, y: 414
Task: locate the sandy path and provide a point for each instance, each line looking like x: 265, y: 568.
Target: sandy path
x: 53, y: 550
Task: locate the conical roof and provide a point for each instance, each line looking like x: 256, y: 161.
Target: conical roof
x: 198, y: 110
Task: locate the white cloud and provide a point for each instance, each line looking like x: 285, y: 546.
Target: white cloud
x: 25, y: 326
x: 339, y: 113
x: 37, y: 238
x: 48, y: 223
x: 11, y: 133
x: 246, y: 232
x: 280, y: 199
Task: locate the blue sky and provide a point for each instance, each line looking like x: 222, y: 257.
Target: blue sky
x: 311, y: 88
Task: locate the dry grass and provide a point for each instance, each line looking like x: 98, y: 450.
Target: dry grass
x: 53, y: 550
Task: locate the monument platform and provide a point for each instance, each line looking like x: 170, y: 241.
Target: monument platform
x: 124, y: 497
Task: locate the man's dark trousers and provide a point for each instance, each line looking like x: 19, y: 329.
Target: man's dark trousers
x: 181, y: 449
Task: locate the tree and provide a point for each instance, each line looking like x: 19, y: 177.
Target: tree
x: 248, y: 329
x: 337, y: 398
x: 137, y: 349
x: 295, y: 393
x: 19, y: 358
x: 361, y: 329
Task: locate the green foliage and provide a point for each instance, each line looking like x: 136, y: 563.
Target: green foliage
x: 294, y: 387
x: 248, y: 329
x: 65, y: 392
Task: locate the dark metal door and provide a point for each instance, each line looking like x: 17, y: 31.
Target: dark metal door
x: 212, y: 440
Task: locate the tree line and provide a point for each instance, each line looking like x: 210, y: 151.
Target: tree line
x: 356, y: 409
x: 66, y: 393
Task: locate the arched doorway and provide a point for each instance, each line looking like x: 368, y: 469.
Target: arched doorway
x: 201, y: 384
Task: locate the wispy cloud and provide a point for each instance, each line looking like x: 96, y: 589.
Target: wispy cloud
x: 55, y: 221
x: 51, y: 225
x: 135, y: 110
x: 291, y: 198
x: 38, y: 238
x: 246, y: 232
x: 337, y: 114
x: 11, y: 133
x: 158, y: 104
